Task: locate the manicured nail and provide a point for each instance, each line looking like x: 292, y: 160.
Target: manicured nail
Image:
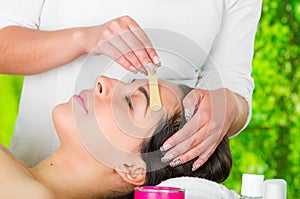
x: 196, y: 167
x: 144, y: 71
x: 167, y: 158
x: 151, y: 68
x: 187, y: 114
x: 165, y: 147
x: 156, y: 60
x: 133, y: 70
x: 175, y: 163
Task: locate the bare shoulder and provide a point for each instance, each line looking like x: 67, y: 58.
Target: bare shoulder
x: 3, y: 149
x: 38, y: 190
x: 26, y: 189
x: 16, y: 181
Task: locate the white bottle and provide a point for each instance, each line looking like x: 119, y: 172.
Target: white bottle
x: 252, y: 186
x: 275, y: 189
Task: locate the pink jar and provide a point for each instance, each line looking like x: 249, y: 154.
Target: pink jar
x: 158, y: 192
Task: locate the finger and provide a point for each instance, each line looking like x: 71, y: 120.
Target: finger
x: 188, y: 144
x: 112, y: 52
x: 120, y: 27
x: 142, y: 36
x: 207, y: 148
x: 202, y: 150
x: 190, y: 128
x: 204, y: 156
x: 126, y: 51
x: 205, y: 136
x: 179, y: 149
x: 190, y: 103
x: 137, y: 47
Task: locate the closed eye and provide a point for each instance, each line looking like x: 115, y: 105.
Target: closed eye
x: 129, y: 102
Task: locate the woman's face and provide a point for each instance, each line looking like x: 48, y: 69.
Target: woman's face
x: 116, y: 113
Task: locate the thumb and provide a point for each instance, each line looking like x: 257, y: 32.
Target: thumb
x: 191, y: 103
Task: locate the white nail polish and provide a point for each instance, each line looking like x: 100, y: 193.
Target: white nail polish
x: 144, y: 71
x: 151, y: 68
x: 165, y: 147
x: 187, y: 114
x: 167, y: 158
x: 175, y: 163
x: 156, y: 60
x: 196, y: 167
x: 133, y: 70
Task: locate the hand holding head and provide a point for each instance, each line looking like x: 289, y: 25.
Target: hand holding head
x: 211, y: 115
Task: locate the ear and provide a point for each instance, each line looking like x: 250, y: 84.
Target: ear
x: 134, y: 174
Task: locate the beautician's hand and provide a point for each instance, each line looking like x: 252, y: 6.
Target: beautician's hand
x: 211, y: 115
x: 123, y: 40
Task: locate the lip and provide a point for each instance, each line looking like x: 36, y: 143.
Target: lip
x: 81, y: 99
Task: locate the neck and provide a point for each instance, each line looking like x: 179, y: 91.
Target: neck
x: 63, y: 174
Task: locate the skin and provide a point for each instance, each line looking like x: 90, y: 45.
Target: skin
x: 33, y: 47
x: 216, y: 113
x: 124, y: 40
x: 71, y: 171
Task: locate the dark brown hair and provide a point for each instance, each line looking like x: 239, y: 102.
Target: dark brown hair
x: 216, y: 168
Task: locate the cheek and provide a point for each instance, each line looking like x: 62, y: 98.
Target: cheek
x: 117, y: 126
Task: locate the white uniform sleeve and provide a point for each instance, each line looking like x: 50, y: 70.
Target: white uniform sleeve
x: 230, y: 60
x: 21, y: 13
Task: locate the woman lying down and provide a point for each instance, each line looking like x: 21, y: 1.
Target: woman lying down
x: 110, y: 142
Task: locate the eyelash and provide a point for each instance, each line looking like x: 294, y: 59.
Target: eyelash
x: 128, y: 100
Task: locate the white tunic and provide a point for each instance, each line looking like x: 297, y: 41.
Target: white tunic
x: 216, y: 35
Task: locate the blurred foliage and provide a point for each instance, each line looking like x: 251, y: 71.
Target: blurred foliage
x: 271, y: 143
x: 10, y: 91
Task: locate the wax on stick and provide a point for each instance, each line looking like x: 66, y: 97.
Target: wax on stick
x: 155, y: 103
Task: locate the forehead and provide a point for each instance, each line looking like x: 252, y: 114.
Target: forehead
x: 171, y: 94
x: 164, y: 84
x: 135, y: 126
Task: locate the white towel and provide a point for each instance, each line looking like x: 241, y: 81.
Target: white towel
x: 199, y: 188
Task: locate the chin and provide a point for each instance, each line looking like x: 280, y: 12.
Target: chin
x: 62, y: 116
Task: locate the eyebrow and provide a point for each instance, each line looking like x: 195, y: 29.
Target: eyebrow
x: 143, y: 90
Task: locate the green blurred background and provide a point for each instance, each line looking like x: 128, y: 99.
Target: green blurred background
x: 271, y: 143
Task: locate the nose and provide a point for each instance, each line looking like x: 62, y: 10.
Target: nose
x: 105, y: 86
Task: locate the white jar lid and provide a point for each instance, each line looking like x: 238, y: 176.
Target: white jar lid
x: 275, y: 189
x: 252, y: 185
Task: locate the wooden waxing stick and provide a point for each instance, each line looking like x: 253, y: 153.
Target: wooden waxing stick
x: 155, y: 103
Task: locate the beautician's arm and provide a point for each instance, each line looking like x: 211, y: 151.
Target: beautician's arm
x: 226, y: 108
x: 25, y: 51
x: 241, y: 106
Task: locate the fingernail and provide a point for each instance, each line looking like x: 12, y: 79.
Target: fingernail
x: 187, y: 114
x: 151, y: 68
x: 133, y: 70
x: 156, y: 60
x: 144, y: 71
x: 167, y: 158
x: 165, y: 147
x: 175, y: 163
x: 196, y: 167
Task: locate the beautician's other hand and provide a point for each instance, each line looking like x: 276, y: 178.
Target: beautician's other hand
x: 211, y: 115
x: 123, y: 40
